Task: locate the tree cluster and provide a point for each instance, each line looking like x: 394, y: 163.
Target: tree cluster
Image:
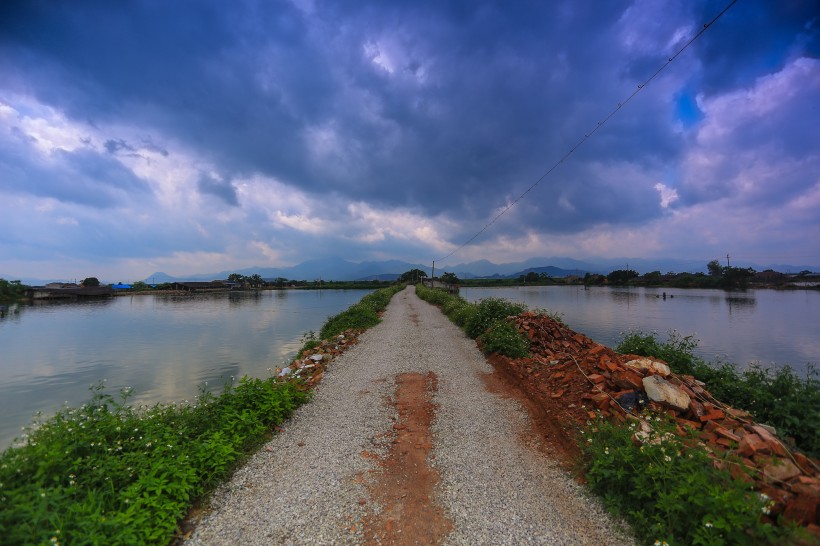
x: 11, y: 290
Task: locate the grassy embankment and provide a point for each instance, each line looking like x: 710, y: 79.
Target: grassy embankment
x: 110, y: 473
x: 667, y: 487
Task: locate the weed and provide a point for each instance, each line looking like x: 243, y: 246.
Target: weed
x: 505, y: 339
x: 111, y: 473
x: 488, y: 311
x: 670, y: 491
x: 310, y: 342
x: 361, y: 315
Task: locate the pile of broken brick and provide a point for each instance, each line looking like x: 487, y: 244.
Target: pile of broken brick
x: 309, y: 366
x: 570, y: 368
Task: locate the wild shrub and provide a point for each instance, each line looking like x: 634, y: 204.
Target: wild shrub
x: 778, y: 397
x: 669, y: 490
x: 108, y: 473
x: 361, y: 315
x: 505, y: 339
x: 357, y: 316
x: 488, y: 311
x: 457, y: 309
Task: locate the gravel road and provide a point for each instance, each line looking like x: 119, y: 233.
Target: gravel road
x: 311, y: 484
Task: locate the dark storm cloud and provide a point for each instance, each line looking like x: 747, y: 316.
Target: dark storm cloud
x: 221, y: 189
x: 754, y: 37
x: 474, y: 106
x: 440, y: 112
x: 118, y: 145
x: 80, y: 176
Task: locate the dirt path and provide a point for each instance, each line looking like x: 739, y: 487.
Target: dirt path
x: 409, y: 440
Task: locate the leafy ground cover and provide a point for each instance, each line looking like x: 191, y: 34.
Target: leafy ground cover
x: 111, y: 473
x: 670, y: 491
x: 361, y: 315
x: 485, y: 320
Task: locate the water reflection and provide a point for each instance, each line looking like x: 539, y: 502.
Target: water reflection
x: 767, y: 326
x: 165, y: 347
x: 10, y: 311
x: 738, y: 302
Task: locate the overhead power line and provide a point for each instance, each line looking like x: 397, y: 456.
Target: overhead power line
x: 594, y: 130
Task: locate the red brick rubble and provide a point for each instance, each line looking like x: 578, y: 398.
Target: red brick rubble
x: 573, y: 378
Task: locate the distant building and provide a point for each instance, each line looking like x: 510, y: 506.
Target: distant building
x: 65, y: 291
x: 199, y: 286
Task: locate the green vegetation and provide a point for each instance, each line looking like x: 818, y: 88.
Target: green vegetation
x: 109, y: 473
x: 413, y: 276
x: 360, y: 315
x: 11, y: 290
x: 779, y: 397
x: 486, y: 320
x: 449, y: 278
x: 719, y: 277
x: 504, y: 338
x: 669, y: 490
x: 90, y: 282
x: 531, y: 278
x: 488, y: 312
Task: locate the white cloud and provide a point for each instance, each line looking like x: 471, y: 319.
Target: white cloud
x: 668, y: 195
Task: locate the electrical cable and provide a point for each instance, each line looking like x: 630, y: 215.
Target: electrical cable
x: 594, y: 130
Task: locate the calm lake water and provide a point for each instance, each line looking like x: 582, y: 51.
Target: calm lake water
x: 770, y: 327
x: 165, y: 347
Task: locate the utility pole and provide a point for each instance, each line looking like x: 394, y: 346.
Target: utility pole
x: 727, y: 260
x: 433, y: 277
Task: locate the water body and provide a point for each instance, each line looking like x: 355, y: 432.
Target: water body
x: 770, y: 327
x: 164, y: 347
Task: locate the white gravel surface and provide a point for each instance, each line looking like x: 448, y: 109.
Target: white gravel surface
x: 494, y: 487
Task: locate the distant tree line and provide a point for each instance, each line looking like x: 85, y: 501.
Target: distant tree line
x: 11, y: 290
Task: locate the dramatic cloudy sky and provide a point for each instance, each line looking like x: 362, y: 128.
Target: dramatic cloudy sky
x: 196, y: 136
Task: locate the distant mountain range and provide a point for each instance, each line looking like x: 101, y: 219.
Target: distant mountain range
x: 338, y: 269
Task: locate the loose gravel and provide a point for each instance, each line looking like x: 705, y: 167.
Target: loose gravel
x: 308, y: 485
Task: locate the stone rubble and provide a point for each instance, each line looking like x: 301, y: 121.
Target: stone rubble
x: 566, y: 369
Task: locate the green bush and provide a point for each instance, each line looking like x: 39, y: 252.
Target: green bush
x: 11, y: 290
x: 457, y: 309
x: 488, y: 311
x: 462, y: 315
x: 779, y: 397
x: 361, y: 315
x: 504, y: 338
x: 669, y: 490
x: 107, y: 473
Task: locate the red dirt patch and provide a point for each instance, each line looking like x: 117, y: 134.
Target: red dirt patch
x: 405, y: 482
